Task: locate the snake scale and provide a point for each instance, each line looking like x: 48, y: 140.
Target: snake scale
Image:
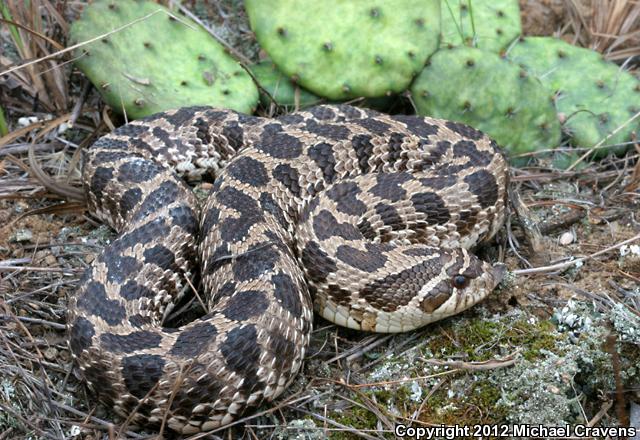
x: 363, y: 216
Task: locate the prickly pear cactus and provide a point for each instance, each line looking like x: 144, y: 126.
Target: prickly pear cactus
x: 595, y: 97
x: 491, y: 94
x: 486, y: 24
x: 281, y: 89
x: 342, y: 49
x: 159, y: 61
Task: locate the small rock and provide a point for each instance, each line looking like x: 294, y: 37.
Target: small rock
x: 22, y: 236
x: 51, y: 353
x: 567, y: 238
x: 50, y: 260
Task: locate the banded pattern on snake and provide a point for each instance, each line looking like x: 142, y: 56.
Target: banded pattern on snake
x: 367, y: 214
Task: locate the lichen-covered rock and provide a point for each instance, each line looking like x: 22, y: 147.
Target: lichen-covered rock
x: 158, y: 62
x: 595, y: 97
x: 491, y: 94
x: 280, y: 89
x: 489, y: 25
x: 345, y: 49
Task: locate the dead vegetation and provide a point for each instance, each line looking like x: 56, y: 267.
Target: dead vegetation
x: 557, y: 343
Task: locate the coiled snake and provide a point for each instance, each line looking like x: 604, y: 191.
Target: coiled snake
x: 368, y: 214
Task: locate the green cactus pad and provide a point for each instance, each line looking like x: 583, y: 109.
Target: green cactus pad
x: 158, y: 63
x: 346, y: 49
x: 594, y: 96
x: 491, y: 94
x: 281, y: 89
x: 489, y: 25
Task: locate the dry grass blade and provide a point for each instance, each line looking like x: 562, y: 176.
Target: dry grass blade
x: 46, y: 82
x: 608, y: 26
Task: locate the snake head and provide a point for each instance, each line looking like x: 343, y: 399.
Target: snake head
x: 464, y: 281
x: 473, y: 279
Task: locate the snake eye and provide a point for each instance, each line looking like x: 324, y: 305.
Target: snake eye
x: 460, y: 281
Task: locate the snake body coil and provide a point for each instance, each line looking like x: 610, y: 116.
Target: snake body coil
x: 367, y: 214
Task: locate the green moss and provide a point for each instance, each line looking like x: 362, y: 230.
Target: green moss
x: 355, y: 417
x: 478, y: 339
x: 476, y: 403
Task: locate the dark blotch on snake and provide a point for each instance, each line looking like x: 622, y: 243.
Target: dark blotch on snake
x: 389, y: 216
x: 437, y: 296
x: 202, y: 131
x: 94, y: 300
x: 138, y: 170
x: 283, y: 351
x: 140, y: 340
x: 326, y: 226
x: 322, y: 154
x: 484, y: 186
x: 141, y: 373
x: 119, y: 268
x: 101, y: 178
x: 280, y: 145
x: 378, y: 128
x: 369, y: 260
x: 291, y: 119
x: 420, y: 251
x: 107, y: 143
x: 464, y: 130
x: 366, y: 229
x: 162, y: 196
x: 221, y: 256
x: 469, y: 149
x: 161, y: 257
x: 139, y: 320
x: 439, y: 182
x: 322, y: 113
x: 194, y: 339
x: 436, y: 152
x: 431, y: 205
x: 345, y: 196
x: 133, y: 291
x: 287, y: 293
x: 164, y: 136
x: 234, y: 134
x: 227, y: 289
x: 317, y: 263
x: 129, y: 200
x: 288, y: 176
x: 417, y: 125
x: 242, y: 354
x: 341, y: 296
x: 330, y: 131
x: 395, y: 147
x: 388, y: 186
x: 211, y: 218
x: 248, y: 170
x: 251, y: 265
x: 80, y: 335
x: 133, y: 130
x: 185, y: 218
x: 267, y: 204
x: 110, y: 156
x: 236, y: 229
x: 245, y: 304
x: 364, y: 150
x: 398, y: 289
x: 184, y: 114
